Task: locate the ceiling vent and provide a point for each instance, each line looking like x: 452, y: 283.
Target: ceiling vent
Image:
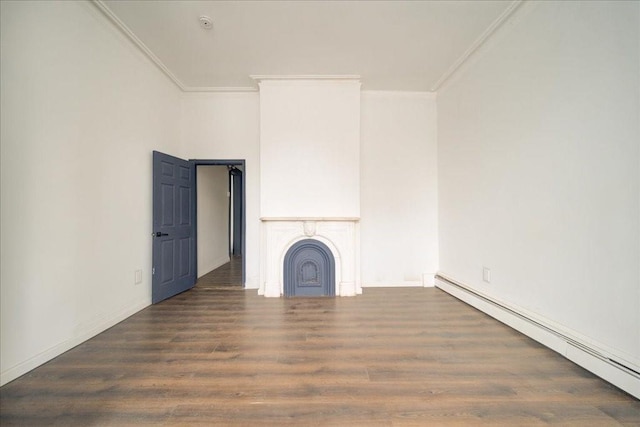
x: 206, y: 22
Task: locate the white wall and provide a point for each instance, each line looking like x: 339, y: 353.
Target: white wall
x: 81, y: 111
x: 310, y: 148
x: 213, y: 217
x: 539, y: 170
x: 399, y: 209
x: 221, y: 126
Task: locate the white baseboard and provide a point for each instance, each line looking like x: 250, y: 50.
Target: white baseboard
x: 249, y: 284
x: 45, y: 356
x: 603, y: 363
x: 403, y: 284
x: 427, y: 281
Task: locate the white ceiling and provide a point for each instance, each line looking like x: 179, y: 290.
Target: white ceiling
x: 392, y: 45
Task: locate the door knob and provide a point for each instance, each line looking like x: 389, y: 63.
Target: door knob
x: 159, y: 234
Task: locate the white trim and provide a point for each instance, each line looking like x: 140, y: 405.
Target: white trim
x: 127, y: 31
x: 140, y: 44
x: 491, y: 29
x: 596, y: 359
x: 47, y: 355
x: 400, y: 93
x: 310, y: 218
x: 342, y: 238
x: 259, y: 77
x: 398, y: 284
x: 220, y: 89
x: 428, y: 280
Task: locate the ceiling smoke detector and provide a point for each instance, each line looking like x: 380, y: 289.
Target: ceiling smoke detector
x: 206, y: 22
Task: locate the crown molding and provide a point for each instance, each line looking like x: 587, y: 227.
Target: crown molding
x: 260, y: 78
x: 484, y: 37
x: 140, y: 45
x: 99, y: 4
x: 102, y: 7
x: 220, y: 89
x: 400, y: 93
x: 127, y: 32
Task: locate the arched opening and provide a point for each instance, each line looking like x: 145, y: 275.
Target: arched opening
x: 309, y: 270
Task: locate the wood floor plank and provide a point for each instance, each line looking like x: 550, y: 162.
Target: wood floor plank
x: 220, y: 355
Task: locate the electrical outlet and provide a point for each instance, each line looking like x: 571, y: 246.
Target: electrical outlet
x: 486, y: 274
x: 138, y: 277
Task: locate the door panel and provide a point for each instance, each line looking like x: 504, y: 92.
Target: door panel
x: 167, y: 205
x: 174, y: 241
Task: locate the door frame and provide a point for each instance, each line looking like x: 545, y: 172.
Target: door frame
x: 228, y: 162
x: 236, y: 211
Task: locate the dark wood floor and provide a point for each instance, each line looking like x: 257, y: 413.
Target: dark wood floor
x: 229, y: 274
x: 219, y: 355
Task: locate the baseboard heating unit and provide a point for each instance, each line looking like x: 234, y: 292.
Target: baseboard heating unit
x: 620, y: 373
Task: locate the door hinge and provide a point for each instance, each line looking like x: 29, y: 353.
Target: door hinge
x: 153, y: 270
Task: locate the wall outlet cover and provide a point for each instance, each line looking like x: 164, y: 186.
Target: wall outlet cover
x: 486, y: 274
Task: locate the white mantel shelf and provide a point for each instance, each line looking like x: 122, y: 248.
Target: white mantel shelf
x: 340, y: 234
x: 297, y: 218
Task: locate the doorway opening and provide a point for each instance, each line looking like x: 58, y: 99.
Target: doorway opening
x: 175, y: 233
x: 221, y: 222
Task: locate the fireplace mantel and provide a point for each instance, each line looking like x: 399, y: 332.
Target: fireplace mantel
x: 340, y: 234
x: 310, y: 175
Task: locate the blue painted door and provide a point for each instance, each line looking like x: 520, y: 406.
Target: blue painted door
x: 238, y: 211
x: 174, y: 240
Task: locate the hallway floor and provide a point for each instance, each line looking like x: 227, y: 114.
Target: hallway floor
x: 229, y: 274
